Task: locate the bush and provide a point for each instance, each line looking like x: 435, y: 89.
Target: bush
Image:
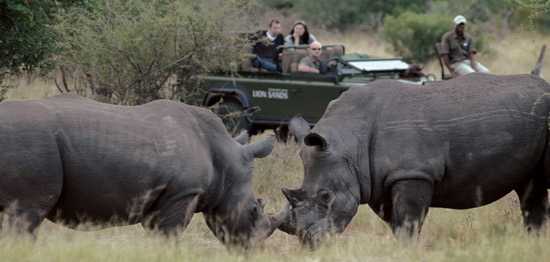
x: 26, y: 38
x: 413, y: 35
x: 129, y: 52
x: 343, y: 13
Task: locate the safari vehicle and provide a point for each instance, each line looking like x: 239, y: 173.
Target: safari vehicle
x: 257, y: 100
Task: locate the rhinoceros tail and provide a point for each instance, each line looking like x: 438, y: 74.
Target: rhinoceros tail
x: 537, y: 71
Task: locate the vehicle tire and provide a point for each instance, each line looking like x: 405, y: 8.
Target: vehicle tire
x: 232, y: 114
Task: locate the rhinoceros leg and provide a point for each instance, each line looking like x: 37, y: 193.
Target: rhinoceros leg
x: 533, y: 198
x: 31, y: 180
x: 410, y: 202
x: 172, y: 215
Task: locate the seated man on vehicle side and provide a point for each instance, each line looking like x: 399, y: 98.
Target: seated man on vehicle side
x: 458, y: 51
x: 312, y: 63
x: 265, y: 48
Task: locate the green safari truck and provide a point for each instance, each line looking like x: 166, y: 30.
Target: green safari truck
x: 257, y: 100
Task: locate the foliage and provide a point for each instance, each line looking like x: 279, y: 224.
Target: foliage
x: 348, y: 12
x: 128, y: 52
x: 413, y: 35
x: 26, y: 39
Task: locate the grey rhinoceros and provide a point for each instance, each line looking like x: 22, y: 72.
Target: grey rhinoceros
x: 401, y: 149
x: 72, y: 160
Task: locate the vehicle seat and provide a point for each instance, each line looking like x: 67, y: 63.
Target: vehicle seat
x: 291, y: 58
x: 332, y: 51
x: 437, y: 49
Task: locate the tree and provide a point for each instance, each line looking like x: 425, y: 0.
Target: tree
x: 26, y: 39
x: 129, y: 52
x: 348, y: 12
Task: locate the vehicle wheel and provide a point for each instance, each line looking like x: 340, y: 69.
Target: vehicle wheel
x: 232, y: 114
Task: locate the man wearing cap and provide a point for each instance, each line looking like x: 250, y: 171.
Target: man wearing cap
x: 458, y: 50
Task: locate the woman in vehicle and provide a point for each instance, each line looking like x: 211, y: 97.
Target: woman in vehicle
x: 299, y: 35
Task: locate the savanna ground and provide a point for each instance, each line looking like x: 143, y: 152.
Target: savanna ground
x: 490, y: 233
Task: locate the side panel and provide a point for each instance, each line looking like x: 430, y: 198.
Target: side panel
x: 280, y: 100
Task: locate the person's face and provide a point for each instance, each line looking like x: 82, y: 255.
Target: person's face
x: 460, y: 28
x: 315, y: 50
x: 299, y: 29
x: 275, y: 29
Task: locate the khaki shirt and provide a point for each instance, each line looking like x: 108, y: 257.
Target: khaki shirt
x: 458, y: 48
x: 311, y: 62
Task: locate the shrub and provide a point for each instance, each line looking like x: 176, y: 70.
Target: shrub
x: 129, y: 52
x: 413, y: 35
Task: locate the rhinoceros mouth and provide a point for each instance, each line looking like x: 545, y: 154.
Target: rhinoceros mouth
x: 314, y: 235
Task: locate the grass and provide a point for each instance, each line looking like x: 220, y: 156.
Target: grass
x: 490, y: 233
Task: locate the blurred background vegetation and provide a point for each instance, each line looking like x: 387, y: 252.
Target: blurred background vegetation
x: 128, y: 51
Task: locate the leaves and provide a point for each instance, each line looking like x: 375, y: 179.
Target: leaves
x: 129, y: 52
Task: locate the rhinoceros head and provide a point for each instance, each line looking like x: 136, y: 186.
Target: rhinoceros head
x: 245, y: 226
x: 239, y: 221
x: 329, y: 196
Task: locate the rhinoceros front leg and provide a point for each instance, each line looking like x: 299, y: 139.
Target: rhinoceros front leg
x: 172, y: 215
x: 533, y: 197
x: 410, y: 202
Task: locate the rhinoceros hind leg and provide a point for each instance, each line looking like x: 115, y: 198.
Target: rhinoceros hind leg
x: 533, y: 198
x: 172, y: 215
x: 410, y: 202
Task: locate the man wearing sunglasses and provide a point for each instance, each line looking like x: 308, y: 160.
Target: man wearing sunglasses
x: 312, y: 62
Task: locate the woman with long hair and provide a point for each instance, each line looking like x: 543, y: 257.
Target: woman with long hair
x: 299, y: 35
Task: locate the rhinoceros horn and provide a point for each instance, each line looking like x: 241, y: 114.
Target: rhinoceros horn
x: 278, y: 219
x: 537, y: 71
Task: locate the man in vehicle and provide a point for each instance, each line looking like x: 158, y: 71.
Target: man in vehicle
x: 312, y: 63
x: 265, y: 48
x: 458, y: 51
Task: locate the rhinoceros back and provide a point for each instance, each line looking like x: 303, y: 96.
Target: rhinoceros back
x: 113, y: 162
x: 477, y: 127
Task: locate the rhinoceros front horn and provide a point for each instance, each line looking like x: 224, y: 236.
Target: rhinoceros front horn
x: 278, y: 219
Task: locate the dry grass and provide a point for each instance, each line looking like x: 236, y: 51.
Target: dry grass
x: 491, y: 233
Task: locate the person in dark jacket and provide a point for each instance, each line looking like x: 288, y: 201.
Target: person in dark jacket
x: 266, y: 47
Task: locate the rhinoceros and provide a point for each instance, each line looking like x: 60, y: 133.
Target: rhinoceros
x: 401, y: 149
x: 72, y: 160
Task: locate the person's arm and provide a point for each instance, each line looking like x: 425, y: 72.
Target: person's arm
x: 296, y: 38
x: 445, y: 54
x: 446, y: 61
x: 307, y: 69
x: 288, y: 41
x: 471, y: 55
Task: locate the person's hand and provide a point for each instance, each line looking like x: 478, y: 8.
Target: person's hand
x: 453, y: 73
x: 296, y: 37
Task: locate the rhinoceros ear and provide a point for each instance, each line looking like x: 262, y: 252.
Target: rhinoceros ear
x: 314, y: 139
x: 299, y: 128
x: 260, y: 149
x: 242, y: 138
x: 294, y: 195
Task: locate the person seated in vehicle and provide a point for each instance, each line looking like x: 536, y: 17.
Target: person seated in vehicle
x: 299, y: 35
x: 458, y: 51
x: 312, y: 62
x: 266, y: 47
